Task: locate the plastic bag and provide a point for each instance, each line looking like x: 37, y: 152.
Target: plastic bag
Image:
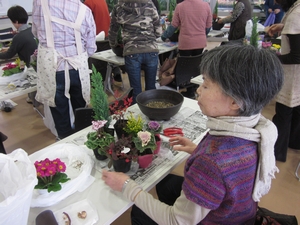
x: 17, y: 178
x: 270, y: 20
x: 11, y: 78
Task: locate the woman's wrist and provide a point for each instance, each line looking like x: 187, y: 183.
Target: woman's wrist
x: 125, y: 184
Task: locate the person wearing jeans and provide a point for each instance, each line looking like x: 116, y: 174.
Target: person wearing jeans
x: 140, y: 24
x: 133, y: 65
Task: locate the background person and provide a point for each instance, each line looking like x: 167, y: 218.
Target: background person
x: 23, y: 42
x: 242, y: 12
x: 193, y: 17
x: 65, y: 43
x: 287, y: 108
x: 141, y: 27
x: 271, y: 6
x: 221, y: 183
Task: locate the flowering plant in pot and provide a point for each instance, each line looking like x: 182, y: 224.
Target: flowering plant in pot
x: 155, y: 128
x: 99, y: 140
x: 50, y: 174
x: 13, y: 68
x: 121, y: 154
x: 145, y: 144
x: 117, y: 110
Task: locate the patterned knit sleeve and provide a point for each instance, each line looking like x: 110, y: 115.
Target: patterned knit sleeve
x: 237, y: 11
x: 203, y: 183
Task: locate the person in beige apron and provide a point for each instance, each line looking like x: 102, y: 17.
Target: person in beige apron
x: 70, y: 85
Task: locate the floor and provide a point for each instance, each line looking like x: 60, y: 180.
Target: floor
x: 25, y: 129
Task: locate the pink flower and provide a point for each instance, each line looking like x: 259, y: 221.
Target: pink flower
x: 145, y: 137
x: 96, y: 125
x: 153, y: 125
x: 61, y: 167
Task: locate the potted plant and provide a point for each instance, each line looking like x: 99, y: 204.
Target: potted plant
x: 50, y: 174
x: 117, y: 110
x: 134, y: 125
x: 99, y: 140
x: 121, y: 154
x: 99, y: 99
x: 155, y: 128
x: 145, y: 144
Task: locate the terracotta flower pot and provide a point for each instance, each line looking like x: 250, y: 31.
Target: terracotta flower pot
x: 158, y: 143
x: 121, y: 165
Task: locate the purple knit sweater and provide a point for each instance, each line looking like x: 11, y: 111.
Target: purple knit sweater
x: 220, y: 176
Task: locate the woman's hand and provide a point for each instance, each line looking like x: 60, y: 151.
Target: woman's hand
x: 182, y: 144
x: 274, y: 29
x: 114, y: 180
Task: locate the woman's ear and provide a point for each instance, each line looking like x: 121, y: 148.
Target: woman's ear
x: 234, y: 106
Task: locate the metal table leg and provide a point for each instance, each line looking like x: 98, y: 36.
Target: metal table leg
x: 297, y: 171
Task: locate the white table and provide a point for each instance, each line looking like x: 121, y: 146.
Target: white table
x: 114, y: 61
x: 29, y: 85
x: 110, y: 204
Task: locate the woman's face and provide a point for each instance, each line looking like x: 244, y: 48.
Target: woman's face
x: 213, y: 102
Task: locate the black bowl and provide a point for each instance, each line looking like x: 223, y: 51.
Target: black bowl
x: 160, y: 95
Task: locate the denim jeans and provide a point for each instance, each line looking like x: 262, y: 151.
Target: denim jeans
x: 133, y: 64
x: 60, y: 113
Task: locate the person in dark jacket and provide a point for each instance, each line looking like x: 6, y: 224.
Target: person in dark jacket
x: 272, y: 6
x: 23, y: 43
x: 241, y: 13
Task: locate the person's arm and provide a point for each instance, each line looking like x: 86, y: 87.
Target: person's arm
x: 11, y: 52
x: 168, y: 32
x: 294, y: 56
x: 237, y: 11
x: 90, y: 35
x: 113, y: 29
x: 156, y: 23
x: 182, y: 144
x: 183, y: 211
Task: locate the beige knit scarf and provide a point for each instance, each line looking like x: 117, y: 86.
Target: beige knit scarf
x: 254, y: 128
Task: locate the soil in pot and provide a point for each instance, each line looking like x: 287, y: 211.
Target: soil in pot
x: 99, y: 156
x: 121, y: 165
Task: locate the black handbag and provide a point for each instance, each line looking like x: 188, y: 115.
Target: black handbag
x: 267, y: 217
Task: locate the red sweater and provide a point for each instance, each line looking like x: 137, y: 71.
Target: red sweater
x: 101, y: 15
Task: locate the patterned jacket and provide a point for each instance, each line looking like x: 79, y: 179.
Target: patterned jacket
x: 140, y: 26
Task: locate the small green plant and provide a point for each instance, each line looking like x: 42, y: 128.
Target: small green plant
x: 134, y: 125
x: 99, y: 99
x: 254, y: 34
x: 215, y: 13
x: 99, y: 139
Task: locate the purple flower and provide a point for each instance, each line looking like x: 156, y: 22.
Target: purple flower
x: 153, y: 125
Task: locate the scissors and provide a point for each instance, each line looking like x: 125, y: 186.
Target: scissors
x: 172, y: 131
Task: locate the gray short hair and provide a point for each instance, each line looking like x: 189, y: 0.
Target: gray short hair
x: 249, y: 75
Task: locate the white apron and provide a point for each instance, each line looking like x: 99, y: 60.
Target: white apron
x: 49, y: 59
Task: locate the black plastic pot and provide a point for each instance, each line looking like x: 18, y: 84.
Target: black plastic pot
x: 118, y: 50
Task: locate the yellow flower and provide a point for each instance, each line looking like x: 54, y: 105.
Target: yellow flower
x: 276, y: 46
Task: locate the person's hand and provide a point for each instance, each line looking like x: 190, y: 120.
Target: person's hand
x: 270, y: 10
x: 114, y: 180
x: 274, y: 29
x: 182, y: 144
x: 277, y: 11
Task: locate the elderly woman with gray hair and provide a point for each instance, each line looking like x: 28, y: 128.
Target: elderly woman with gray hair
x: 232, y: 167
